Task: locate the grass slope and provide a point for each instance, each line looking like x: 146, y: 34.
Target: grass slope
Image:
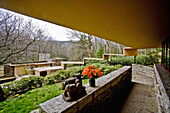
x: 31, y: 100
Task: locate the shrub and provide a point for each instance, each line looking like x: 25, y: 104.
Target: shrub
x: 35, y: 81
x: 106, y: 68
x: 127, y: 60
x: 25, y: 83
x: 24, y: 70
x: 149, y: 58
x: 57, y: 76
x: 76, y: 70
x: 52, y: 78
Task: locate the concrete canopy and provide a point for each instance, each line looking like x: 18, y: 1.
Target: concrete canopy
x: 133, y: 23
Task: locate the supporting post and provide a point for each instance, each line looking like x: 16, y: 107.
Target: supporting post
x: 166, y: 61
x: 134, y: 59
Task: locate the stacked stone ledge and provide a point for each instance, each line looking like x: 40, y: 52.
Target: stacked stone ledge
x: 107, y: 88
x: 162, y: 88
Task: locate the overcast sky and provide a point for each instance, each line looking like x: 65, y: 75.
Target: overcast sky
x: 55, y: 31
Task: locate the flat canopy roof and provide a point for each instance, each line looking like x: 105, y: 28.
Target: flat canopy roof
x: 68, y: 62
x: 133, y: 23
x: 48, y: 68
x: 40, y: 63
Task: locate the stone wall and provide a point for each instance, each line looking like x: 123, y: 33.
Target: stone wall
x: 162, y: 87
x: 107, y: 89
x: 8, y: 70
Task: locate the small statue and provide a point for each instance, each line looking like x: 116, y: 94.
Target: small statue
x: 31, y: 67
x: 78, y: 78
x: 73, y: 88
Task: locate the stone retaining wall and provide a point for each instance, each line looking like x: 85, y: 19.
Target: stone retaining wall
x: 107, y: 88
x: 8, y: 70
x: 162, y: 87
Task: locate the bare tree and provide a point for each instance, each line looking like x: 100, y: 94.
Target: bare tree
x: 89, y: 45
x: 84, y: 45
x: 16, y: 35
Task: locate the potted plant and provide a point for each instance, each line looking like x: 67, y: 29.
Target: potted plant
x: 93, y: 73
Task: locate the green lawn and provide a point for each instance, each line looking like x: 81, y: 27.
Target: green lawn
x: 31, y: 100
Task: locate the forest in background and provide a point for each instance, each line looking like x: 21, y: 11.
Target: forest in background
x: 22, y: 41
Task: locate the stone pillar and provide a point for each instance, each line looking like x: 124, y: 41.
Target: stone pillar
x: 8, y: 70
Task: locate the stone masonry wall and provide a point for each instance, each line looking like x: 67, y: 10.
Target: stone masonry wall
x: 8, y: 70
x: 162, y: 87
x: 107, y: 88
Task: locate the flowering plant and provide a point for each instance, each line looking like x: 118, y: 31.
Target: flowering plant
x: 91, y: 71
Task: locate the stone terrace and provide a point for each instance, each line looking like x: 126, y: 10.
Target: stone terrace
x: 139, y: 96
x: 142, y: 98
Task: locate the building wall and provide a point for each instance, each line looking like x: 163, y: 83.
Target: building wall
x: 18, y: 69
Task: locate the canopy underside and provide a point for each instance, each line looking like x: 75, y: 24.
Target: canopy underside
x: 133, y: 23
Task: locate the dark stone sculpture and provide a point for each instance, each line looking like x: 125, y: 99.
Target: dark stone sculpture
x: 31, y: 67
x: 73, y: 88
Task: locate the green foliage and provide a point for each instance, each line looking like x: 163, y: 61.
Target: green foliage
x: 106, y: 68
x: 124, y: 61
x: 29, y: 101
x: 150, y: 58
x: 25, y: 83
x: 76, y: 70
x: 63, y: 56
x: 52, y: 78
x: 96, y: 61
x: 62, y: 75
x: 56, y: 77
x: 24, y: 71
x: 69, y: 65
x: 100, y: 52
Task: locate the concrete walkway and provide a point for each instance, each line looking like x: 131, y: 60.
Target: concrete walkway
x: 141, y: 98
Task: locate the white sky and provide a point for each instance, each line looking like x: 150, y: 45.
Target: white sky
x: 55, y: 31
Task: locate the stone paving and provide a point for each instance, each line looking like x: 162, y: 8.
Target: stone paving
x: 142, y: 97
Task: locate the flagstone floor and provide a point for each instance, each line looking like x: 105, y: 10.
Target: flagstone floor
x: 141, y: 98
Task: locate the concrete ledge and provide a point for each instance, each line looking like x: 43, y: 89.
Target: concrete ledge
x: 107, y: 87
x: 162, y: 87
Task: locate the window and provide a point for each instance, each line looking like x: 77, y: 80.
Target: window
x: 166, y: 53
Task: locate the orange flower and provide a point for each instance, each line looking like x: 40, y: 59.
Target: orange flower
x: 94, y: 73
x: 100, y: 74
x: 90, y: 76
x: 91, y: 66
x: 91, y: 71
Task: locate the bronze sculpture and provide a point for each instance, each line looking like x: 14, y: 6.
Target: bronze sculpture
x: 73, y: 88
